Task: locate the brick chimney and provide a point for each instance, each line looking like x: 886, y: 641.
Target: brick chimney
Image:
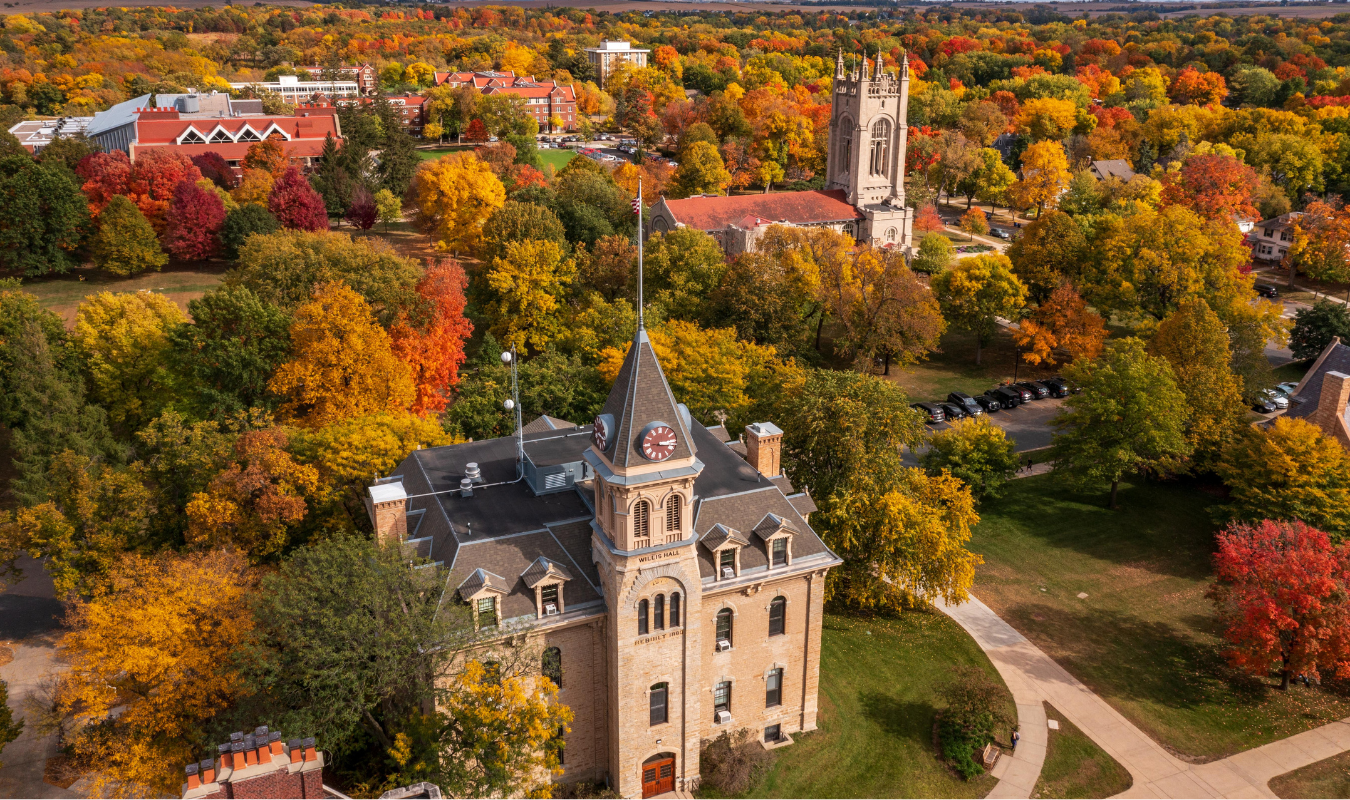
x: 258, y: 765
x: 389, y: 510
x: 764, y: 447
x: 1330, y: 412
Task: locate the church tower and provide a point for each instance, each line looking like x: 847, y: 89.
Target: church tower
x: 868, y: 140
x: 644, y: 547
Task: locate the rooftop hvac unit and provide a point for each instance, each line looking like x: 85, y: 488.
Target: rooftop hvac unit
x: 723, y: 645
x: 723, y: 717
x: 466, y: 487
x: 728, y: 572
x: 472, y: 472
x: 550, y: 609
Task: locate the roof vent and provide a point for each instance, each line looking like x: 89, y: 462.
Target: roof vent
x: 472, y: 472
x: 466, y: 487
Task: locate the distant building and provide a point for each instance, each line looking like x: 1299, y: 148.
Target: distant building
x: 35, y: 134
x: 544, y: 100
x: 295, y: 91
x: 302, y: 136
x: 1112, y: 168
x: 610, y: 54
x: 737, y: 223
x: 367, y: 79
x: 412, y: 109
x: 1271, y: 238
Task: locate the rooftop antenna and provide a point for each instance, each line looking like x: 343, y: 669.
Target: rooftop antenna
x: 513, y: 404
x: 637, y: 209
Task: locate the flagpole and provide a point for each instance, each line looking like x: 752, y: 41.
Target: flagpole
x: 637, y: 206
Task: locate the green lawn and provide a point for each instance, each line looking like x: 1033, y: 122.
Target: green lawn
x: 558, y: 158
x: 1145, y: 638
x: 179, y: 282
x: 1293, y: 371
x: 1076, y: 767
x: 879, y: 679
x: 952, y: 367
x: 436, y: 152
x: 1328, y: 778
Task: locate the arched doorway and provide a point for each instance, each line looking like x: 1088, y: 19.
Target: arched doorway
x: 658, y: 774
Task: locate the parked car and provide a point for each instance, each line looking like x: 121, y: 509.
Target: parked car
x: 1278, y: 399
x: 1264, y: 405
x: 1288, y: 387
x: 1067, y: 387
x: 1057, y: 387
x: 953, y: 411
x: 1266, y: 290
x: 1005, y: 397
x: 932, y: 411
x: 971, y: 405
x: 1024, y: 394
x: 1000, y: 233
x: 1039, y: 391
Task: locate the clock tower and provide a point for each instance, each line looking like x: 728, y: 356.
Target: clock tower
x: 643, y: 543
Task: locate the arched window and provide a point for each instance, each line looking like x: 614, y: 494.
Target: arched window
x: 881, y: 146
x: 890, y: 234
x: 673, y: 513
x: 656, y: 704
x: 551, y: 665
x: 674, y: 609
x: 845, y: 145
x: 778, y: 616
x: 659, y: 613
x: 642, y: 617
x: 642, y: 526
x: 724, y: 625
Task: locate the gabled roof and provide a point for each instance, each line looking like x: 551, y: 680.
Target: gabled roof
x: 1308, y: 394
x: 1281, y: 222
x: 797, y: 208
x: 772, y: 524
x: 639, y: 397
x: 543, y: 569
x: 1114, y: 167
x: 720, y: 534
x: 481, y: 579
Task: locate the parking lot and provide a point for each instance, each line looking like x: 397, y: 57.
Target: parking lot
x: 1028, y: 426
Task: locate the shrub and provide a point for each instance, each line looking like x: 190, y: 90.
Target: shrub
x: 733, y: 761
x: 935, y: 252
x: 975, y: 710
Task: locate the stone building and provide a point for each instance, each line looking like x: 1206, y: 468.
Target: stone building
x: 667, y: 572
x: 610, y: 54
x: 864, y: 193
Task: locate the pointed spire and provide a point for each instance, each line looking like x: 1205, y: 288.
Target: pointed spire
x: 904, y: 66
x: 638, y: 208
x: 880, y: 67
x: 839, y: 63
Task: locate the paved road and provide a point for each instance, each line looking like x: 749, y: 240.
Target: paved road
x: 1028, y: 426
x: 1033, y: 677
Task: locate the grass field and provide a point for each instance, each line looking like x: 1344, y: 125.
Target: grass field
x: 436, y: 152
x: 953, y: 369
x: 879, y: 679
x: 179, y: 282
x: 1329, y: 778
x: 558, y: 158
x: 1145, y: 638
x: 1076, y: 767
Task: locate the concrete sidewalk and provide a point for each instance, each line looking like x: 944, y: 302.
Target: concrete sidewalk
x: 1032, y: 676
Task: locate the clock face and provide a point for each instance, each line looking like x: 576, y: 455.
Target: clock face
x: 600, y: 432
x: 658, y: 442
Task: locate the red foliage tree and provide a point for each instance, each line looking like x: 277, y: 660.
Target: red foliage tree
x: 362, y: 212
x: 215, y: 169
x: 928, y: 220
x: 518, y: 176
x: 1193, y: 86
x: 434, y: 349
x: 105, y: 176
x: 193, y: 222
x: 154, y: 177
x: 477, y: 131
x: 1213, y: 186
x: 295, y: 204
x: 1282, y: 594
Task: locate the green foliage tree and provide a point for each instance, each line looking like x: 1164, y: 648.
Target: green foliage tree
x: 976, y: 291
x: 1129, y: 417
x: 224, y: 358
x: 1316, y: 325
x: 125, y: 342
x: 125, y: 244
x: 1050, y: 251
x: 682, y: 268
x: 9, y: 727
x: 1289, y: 471
x: 701, y: 171
x: 975, y: 715
x: 516, y: 222
x: 243, y: 222
x: 43, y: 216
x: 935, y: 253
x: 388, y: 208
x: 974, y: 450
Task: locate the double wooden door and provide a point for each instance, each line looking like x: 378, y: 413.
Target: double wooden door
x: 658, y: 776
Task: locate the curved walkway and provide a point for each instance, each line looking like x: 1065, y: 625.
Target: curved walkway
x: 1033, y: 677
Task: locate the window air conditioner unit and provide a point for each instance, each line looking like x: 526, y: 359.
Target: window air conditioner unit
x: 728, y: 572
x: 723, y: 645
x: 723, y: 717
x: 550, y: 609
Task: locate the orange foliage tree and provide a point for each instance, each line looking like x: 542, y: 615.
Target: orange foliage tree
x: 157, y: 644
x: 1213, y: 186
x: 1200, y: 88
x: 267, y: 155
x: 1062, y: 322
x: 342, y: 362
x: 434, y: 349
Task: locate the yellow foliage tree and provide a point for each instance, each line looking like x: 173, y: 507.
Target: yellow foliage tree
x: 156, y: 645
x: 455, y: 195
x: 1289, y: 471
x: 1047, y: 118
x: 125, y: 341
x: 253, y: 502
x: 527, y: 283
x: 504, y: 732
x: 254, y: 187
x: 1045, y: 176
x: 342, y: 362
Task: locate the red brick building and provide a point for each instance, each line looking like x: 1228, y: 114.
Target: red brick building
x: 544, y: 100
x: 412, y: 110
x: 365, y: 75
x: 301, y: 136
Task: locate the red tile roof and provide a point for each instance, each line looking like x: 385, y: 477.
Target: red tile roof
x: 800, y: 208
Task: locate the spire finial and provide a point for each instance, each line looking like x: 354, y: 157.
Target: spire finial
x: 637, y: 207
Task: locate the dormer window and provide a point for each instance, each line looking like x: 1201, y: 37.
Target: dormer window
x: 546, y: 578
x: 483, y: 591
x: 725, y: 545
x: 726, y: 563
x: 486, y: 612
x: 778, y: 552
x: 777, y: 534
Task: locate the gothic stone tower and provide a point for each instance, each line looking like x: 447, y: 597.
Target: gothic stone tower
x: 645, y: 549
x: 868, y: 139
